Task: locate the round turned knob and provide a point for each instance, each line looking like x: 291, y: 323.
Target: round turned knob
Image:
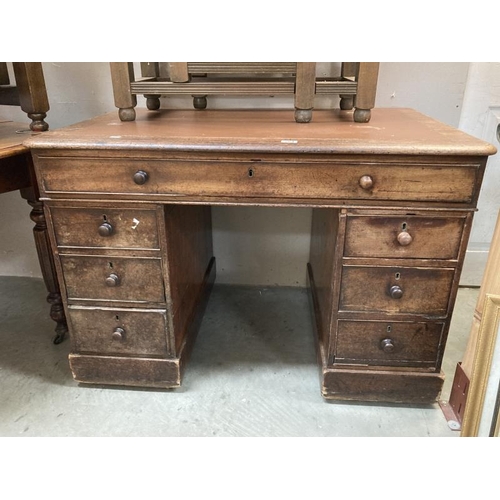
x: 396, y: 292
x: 366, y: 182
x: 105, y: 229
x: 141, y: 177
x: 404, y: 238
x: 387, y: 345
x: 112, y: 280
x: 118, y: 334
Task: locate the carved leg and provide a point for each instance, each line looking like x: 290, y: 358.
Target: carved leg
x: 200, y: 101
x: 47, y: 265
x: 152, y: 101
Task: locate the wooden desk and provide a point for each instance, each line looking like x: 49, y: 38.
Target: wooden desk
x: 128, y: 210
x: 16, y: 173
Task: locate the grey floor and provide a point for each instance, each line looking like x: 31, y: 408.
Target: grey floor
x: 252, y: 373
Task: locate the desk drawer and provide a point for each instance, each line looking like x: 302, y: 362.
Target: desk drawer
x: 105, y: 228
x: 398, y: 290
x: 388, y: 343
x: 113, y: 278
x: 410, y: 237
x: 118, y: 331
x: 261, y: 179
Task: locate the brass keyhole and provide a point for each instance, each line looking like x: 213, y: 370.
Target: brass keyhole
x: 398, y: 276
x: 250, y: 172
x: 389, y: 328
x: 404, y: 226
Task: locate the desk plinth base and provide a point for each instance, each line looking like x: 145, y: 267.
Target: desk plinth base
x: 381, y: 386
x: 145, y: 372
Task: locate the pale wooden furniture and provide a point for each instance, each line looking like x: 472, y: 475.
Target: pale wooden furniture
x: 482, y: 409
x: 490, y: 285
x: 356, y: 86
x: 16, y: 173
x: 128, y: 207
x: 29, y: 92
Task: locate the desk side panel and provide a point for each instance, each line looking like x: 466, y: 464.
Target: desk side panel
x: 324, y: 235
x: 188, y: 237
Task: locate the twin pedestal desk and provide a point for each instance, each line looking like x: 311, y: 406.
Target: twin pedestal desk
x: 129, y: 217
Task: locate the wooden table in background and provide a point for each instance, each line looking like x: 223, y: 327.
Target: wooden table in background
x: 16, y: 173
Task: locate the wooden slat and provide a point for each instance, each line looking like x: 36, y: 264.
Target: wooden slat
x: 242, y: 67
x: 178, y: 72
x: 305, y: 85
x: 4, y: 74
x: 122, y: 74
x: 150, y: 69
x: 349, y: 69
x: 367, y: 85
x: 207, y: 86
x: 324, y: 87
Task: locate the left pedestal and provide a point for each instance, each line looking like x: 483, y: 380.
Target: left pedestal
x: 135, y: 279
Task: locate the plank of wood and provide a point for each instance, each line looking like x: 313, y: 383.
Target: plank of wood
x: 367, y: 85
x: 178, y: 72
x: 30, y: 83
x: 305, y: 85
x: 150, y: 69
x: 122, y: 73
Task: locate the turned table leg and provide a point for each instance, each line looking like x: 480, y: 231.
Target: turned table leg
x: 305, y: 89
x: 122, y: 75
x: 367, y: 88
x: 47, y: 264
x: 30, y: 83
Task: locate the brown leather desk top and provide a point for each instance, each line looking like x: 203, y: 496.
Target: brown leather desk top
x: 390, y: 131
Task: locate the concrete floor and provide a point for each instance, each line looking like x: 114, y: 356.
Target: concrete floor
x: 252, y: 373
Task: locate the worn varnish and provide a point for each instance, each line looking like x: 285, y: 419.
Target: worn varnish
x: 393, y: 205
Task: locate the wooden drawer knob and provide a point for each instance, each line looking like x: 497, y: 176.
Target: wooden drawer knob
x: 396, y: 292
x: 141, y: 177
x: 105, y: 229
x: 118, y: 334
x: 387, y: 345
x: 366, y: 182
x: 404, y: 238
x: 113, y: 280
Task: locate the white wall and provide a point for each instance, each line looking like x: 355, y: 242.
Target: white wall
x: 481, y: 118
x: 253, y: 245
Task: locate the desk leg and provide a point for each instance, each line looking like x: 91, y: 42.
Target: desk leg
x: 47, y: 265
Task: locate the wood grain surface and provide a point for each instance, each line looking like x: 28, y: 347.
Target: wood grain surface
x: 390, y: 131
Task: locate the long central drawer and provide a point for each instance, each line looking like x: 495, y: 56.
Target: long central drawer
x: 205, y: 178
